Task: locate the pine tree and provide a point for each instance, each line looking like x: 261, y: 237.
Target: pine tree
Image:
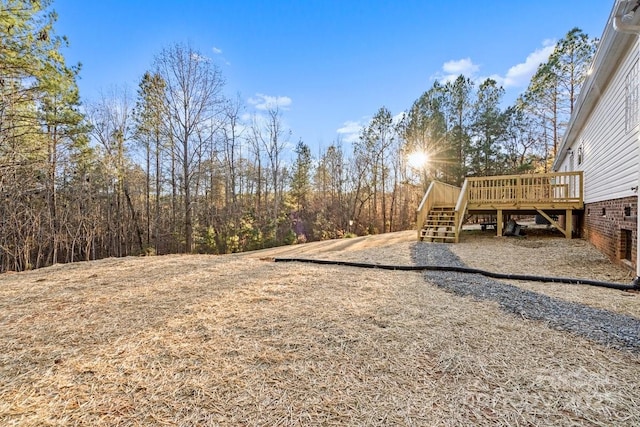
x: 41, y: 128
x: 150, y: 116
x: 488, y: 130
x: 301, y: 178
x: 554, y: 88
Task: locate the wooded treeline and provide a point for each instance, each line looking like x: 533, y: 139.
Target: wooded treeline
x: 179, y: 167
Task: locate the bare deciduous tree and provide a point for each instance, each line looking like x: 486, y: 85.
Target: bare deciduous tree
x: 193, y: 99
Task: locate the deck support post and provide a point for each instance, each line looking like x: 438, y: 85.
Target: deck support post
x: 568, y: 224
x: 499, y: 223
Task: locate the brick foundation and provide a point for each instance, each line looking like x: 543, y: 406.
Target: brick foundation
x: 604, y: 224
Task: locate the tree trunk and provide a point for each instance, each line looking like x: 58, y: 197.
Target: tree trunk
x: 174, y: 196
x: 148, y: 193
x: 157, y: 219
x: 134, y: 218
x: 188, y: 226
x: 53, y: 197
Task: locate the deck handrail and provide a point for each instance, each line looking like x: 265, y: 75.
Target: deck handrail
x: 517, y: 190
x: 461, y: 208
x: 424, y: 207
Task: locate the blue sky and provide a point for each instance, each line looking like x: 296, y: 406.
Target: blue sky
x: 330, y: 64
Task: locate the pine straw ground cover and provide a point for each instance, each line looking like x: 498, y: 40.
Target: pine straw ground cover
x: 232, y: 340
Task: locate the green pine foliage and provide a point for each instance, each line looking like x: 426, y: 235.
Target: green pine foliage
x: 43, y: 141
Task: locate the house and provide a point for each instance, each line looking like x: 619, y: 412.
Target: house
x: 594, y: 187
x: 602, y: 139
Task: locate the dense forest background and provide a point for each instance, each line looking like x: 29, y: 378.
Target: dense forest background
x: 179, y: 167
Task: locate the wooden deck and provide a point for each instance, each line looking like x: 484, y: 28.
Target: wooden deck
x: 543, y: 191
x: 548, y: 194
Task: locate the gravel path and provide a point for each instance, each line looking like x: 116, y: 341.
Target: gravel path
x: 602, y: 326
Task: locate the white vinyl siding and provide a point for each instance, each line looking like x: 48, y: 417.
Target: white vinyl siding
x: 610, y: 150
x: 631, y: 97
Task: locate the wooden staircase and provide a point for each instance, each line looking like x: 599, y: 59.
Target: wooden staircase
x: 440, y: 225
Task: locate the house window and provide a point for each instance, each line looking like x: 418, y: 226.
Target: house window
x: 631, y: 98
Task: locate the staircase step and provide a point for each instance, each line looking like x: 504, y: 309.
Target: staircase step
x: 439, y: 225
x: 443, y: 239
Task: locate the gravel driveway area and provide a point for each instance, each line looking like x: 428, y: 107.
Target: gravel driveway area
x: 602, y: 326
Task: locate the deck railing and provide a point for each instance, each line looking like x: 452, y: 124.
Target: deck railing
x: 561, y: 188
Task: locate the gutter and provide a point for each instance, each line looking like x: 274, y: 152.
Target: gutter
x: 622, y: 24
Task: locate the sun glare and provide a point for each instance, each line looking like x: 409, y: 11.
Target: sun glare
x: 418, y: 159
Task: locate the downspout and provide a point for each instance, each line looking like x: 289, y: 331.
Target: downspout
x: 621, y: 25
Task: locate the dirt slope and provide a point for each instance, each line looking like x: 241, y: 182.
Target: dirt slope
x: 335, y: 247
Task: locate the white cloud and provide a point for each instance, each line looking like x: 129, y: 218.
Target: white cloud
x: 461, y: 66
x: 350, y: 131
x: 265, y: 102
x: 520, y: 74
x: 549, y: 42
x: 452, y: 69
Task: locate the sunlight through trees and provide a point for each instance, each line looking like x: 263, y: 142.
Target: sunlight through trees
x: 178, y: 167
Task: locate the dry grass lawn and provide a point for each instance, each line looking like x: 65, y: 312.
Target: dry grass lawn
x: 233, y: 340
